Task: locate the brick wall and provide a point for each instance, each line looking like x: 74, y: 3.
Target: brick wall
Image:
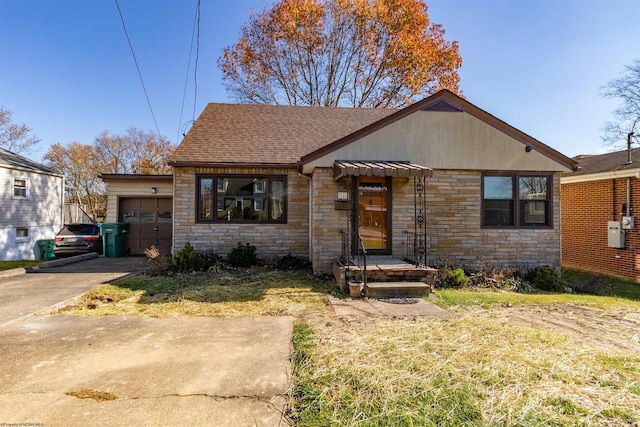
x: 269, y: 238
x: 586, y: 209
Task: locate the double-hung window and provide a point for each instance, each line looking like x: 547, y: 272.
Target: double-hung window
x: 20, y: 188
x: 235, y: 198
x: 516, y: 200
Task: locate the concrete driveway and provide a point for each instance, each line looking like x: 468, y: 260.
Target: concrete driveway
x: 24, y: 294
x: 170, y: 372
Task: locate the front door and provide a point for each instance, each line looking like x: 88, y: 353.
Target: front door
x: 373, y: 218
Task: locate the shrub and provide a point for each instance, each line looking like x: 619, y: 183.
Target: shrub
x: 586, y: 282
x: 290, y: 262
x: 243, y: 255
x: 210, y: 258
x: 457, y: 278
x: 159, y: 264
x: 188, y: 259
x: 448, y: 277
x: 544, y: 278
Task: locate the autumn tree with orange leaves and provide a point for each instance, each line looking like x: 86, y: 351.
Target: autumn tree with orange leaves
x: 359, y: 53
x: 136, y: 152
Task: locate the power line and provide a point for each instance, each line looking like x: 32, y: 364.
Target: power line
x: 186, y: 79
x: 137, y: 67
x: 195, y: 68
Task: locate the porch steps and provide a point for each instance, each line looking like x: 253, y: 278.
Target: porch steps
x: 386, y: 277
x: 397, y: 289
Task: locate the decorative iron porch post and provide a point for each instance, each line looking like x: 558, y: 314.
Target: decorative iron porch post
x: 420, y: 221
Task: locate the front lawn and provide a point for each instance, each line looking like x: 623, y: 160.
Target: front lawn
x: 477, y: 367
x: 8, y: 265
x: 498, y: 358
x: 489, y: 298
x: 255, y: 292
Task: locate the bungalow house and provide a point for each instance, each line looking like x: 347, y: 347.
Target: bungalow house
x: 31, y: 206
x: 599, y: 202
x: 440, y: 180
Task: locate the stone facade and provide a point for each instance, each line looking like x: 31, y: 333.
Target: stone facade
x: 454, y: 231
x: 327, y: 222
x: 270, y: 239
x: 586, y: 209
x: 455, y: 234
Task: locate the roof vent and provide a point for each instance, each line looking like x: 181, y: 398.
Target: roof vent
x: 442, y: 106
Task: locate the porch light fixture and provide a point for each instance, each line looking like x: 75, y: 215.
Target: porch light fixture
x: 154, y: 190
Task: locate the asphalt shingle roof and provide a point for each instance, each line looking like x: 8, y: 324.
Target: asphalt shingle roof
x: 268, y: 134
x: 10, y: 159
x: 608, y: 162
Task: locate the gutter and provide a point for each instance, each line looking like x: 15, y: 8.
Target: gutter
x: 178, y: 164
x: 626, y: 173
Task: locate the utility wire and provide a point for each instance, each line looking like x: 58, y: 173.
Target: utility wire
x: 137, y: 67
x: 195, y: 68
x: 186, y: 79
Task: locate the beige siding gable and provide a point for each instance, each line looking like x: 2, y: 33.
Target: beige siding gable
x: 137, y: 188
x: 443, y: 140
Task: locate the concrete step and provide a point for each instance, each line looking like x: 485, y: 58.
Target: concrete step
x: 396, y: 289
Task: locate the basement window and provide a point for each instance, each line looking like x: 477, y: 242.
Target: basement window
x: 22, y: 234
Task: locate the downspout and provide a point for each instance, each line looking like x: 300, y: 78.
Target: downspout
x: 629, y: 135
x: 628, y: 196
x: 61, y: 203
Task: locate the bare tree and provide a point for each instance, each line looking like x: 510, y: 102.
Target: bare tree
x: 135, y: 152
x: 15, y: 137
x: 626, y: 124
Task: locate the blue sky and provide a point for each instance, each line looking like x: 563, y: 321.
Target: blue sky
x: 67, y: 72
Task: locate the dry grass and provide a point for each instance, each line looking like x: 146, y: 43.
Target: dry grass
x: 480, y: 367
x: 100, y: 396
x: 500, y: 359
x: 228, y: 294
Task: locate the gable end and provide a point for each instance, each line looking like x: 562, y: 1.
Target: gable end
x: 442, y: 106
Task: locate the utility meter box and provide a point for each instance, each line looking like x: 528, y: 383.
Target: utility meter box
x: 616, y: 234
x: 627, y: 223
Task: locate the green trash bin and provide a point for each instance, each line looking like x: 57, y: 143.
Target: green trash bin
x: 114, y: 239
x: 46, y: 249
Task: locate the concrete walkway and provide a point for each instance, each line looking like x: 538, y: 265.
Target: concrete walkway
x: 373, y: 307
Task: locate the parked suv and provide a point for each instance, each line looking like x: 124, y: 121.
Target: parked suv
x: 76, y: 239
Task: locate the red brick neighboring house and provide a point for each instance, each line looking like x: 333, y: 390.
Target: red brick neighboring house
x: 440, y: 180
x: 599, y: 207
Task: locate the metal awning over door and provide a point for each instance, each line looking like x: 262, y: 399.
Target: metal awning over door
x: 342, y: 168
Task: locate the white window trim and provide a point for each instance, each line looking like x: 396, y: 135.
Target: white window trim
x: 27, y: 187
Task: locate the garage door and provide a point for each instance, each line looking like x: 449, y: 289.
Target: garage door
x: 150, y: 223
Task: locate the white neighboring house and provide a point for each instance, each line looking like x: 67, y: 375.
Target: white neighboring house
x: 31, y: 206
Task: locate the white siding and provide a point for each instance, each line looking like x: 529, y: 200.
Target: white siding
x: 41, y: 212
